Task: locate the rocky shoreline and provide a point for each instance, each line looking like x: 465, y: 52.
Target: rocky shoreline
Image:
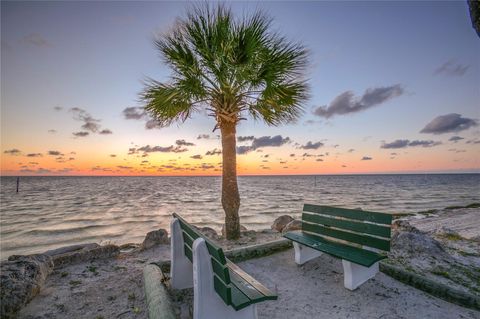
x: 93, y: 281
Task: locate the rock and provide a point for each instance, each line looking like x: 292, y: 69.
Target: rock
x: 293, y: 225
x: 280, y: 223
x: 209, y: 232
x: 447, y: 232
x: 242, y: 229
x: 154, y: 238
x: 403, y: 225
x: 416, y: 244
x: 69, y: 249
x: 21, y: 278
x: 85, y: 254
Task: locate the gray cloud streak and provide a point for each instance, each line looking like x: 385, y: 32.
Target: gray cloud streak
x: 346, y: 102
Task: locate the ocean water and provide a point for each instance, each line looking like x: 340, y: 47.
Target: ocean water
x: 50, y: 212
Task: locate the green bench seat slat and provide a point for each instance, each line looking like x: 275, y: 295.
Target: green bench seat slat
x: 222, y: 289
x: 251, y: 281
x: 356, y: 255
x: 238, y: 299
x: 252, y: 289
x: 187, y: 239
x: 372, y: 229
x: 373, y: 217
x: 221, y: 270
x: 351, y: 237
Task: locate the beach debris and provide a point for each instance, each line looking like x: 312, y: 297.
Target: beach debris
x: 21, y: 279
x: 293, y: 225
x: 280, y: 223
x: 154, y: 238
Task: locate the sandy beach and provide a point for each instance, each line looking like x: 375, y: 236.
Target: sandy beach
x: 113, y: 287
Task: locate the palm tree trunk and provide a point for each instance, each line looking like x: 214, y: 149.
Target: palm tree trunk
x: 230, y: 196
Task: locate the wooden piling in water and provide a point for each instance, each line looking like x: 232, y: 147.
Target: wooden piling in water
x: 18, y: 183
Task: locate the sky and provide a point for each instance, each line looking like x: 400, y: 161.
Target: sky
x: 394, y: 89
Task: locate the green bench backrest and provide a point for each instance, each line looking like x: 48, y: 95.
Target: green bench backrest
x: 352, y: 225
x: 221, y: 277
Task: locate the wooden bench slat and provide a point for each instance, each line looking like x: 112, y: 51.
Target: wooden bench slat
x: 373, y: 217
x: 372, y: 229
x: 351, y: 237
x: 252, y: 281
x: 356, y: 255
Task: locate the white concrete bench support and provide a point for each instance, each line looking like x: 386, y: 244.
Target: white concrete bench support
x: 354, y: 275
x: 207, y: 304
x: 304, y: 253
x: 181, y: 271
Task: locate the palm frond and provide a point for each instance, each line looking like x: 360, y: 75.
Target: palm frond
x: 230, y: 66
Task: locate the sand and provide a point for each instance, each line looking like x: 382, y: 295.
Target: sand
x: 113, y: 288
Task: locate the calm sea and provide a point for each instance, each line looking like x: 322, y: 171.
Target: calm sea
x: 51, y: 212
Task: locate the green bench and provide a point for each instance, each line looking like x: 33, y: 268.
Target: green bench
x: 221, y: 288
x: 357, y: 237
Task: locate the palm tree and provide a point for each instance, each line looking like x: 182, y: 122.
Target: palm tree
x: 230, y: 68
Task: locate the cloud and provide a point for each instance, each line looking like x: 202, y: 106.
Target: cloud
x: 89, y: 123
x: 407, y: 143
x: 37, y: 40
x: 267, y: 141
x: 113, y: 155
x: 203, y: 136
x: 198, y: 156
x: 396, y: 144
x: 55, y: 153
x: 450, y: 68
x: 152, y: 124
x: 312, y: 146
x: 351, y: 150
x: 13, y: 151
x: 346, y: 102
x: 139, y: 113
x: 243, y: 149
x: 58, y: 108
x: 213, y: 152
x: 424, y: 143
x: 448, y: 123
x: 366, y: 158
x: 473, y: 141
x: 134, y: 113
x: 34, y: 155
x: 105, y: 132
x: 183, y: 143
x: 80, y: 134
x: 455, y: 139
x: 263, y: 141
x: 161, y: 149
x: 245, y: 138
x: 52, y: 131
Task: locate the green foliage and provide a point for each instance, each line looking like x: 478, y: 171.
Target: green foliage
x: 229, y: 67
